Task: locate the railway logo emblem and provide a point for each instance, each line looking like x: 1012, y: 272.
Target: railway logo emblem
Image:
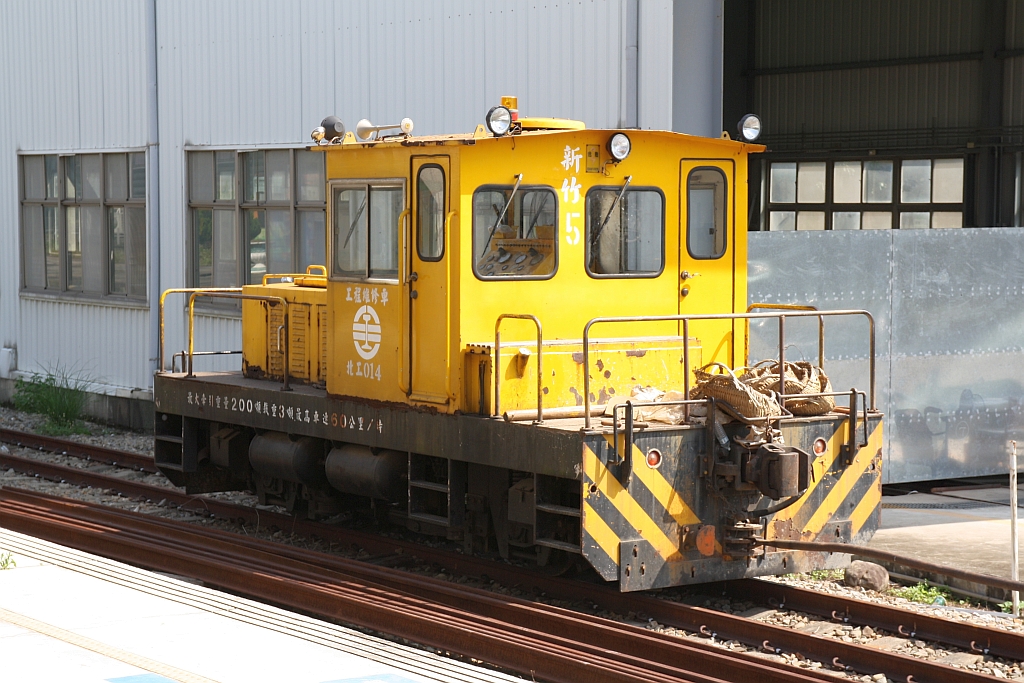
x: 366, y: 332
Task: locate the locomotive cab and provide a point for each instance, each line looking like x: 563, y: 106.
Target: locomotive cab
x: 478, y: 354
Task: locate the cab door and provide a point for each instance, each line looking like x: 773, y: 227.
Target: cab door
x: 429, y: 320
x: 707, y: 254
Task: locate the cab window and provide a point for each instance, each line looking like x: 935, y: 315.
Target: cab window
x: 430, y: 212
x: 366, y: 226
x: 514, y: 233
x: 625, y: 232
x: 705, y: 215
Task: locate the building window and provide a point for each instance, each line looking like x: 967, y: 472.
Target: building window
x: 254, y: 213
x: 865, y: 194
x: 625, y: 232
x: 84, y: 224
x: 514, y: 232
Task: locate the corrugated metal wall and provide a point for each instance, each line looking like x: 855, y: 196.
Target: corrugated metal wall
x: 1013, y: 67
x: 73, y: 78
x: 805, y: 51
x: 236, y: 73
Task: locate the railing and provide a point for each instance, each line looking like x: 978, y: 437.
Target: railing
x: 497, y: 363
x: 788, y: 307
x: 282, y: 276
x: 273, y: 300
x: 184, y: 290
x: 685, y: 319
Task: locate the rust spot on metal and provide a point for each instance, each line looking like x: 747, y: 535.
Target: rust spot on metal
x: 578, y: 357
x: 785, y: 529
x: 600, y: 364
x: 636, y: 353
x: 705, y: 540
x: 607, y: 374
x: 577, y: 394
x: 252, y: 371
x: 602, y: 396
x: 545, y: 391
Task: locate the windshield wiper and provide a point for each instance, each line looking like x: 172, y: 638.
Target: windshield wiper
x: 611, y: 208
x: 497, y: 222
x: 352, y: 228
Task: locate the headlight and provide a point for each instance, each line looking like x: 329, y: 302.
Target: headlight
x: 318, y: 133
x: 619, y: 146
x: 750, y: 127
x: 334, y: 129
x: 498, y: 120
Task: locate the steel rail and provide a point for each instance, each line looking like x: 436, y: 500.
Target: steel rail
x: 970, y: 637
x: 616, y: 648
x: 695, y: 619
x: 85, y: 451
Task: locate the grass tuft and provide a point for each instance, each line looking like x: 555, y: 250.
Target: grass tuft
x: 59, y: 394
x: 7, y: 561
x: 922, y: 592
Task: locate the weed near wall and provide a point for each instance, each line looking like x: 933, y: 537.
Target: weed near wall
x: 59, y: 394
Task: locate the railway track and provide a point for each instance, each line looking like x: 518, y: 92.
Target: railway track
x: 712, y: 624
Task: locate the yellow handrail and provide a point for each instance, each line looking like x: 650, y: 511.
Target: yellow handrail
x: 182, y: 290
x: 246, y: 297
x: 497, y: 362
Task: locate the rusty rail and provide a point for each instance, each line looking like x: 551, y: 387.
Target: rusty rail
x: 698, y: 620
x: 497, y: 363
x: 685, y: 319
x: 75, y: 449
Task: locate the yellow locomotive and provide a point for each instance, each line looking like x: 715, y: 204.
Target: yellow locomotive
x: 476, y: 360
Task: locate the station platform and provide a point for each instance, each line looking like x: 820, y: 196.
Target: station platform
x: 964, y: 527
x: 69, y: 616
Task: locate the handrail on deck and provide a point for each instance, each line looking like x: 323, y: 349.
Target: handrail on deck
x: 322, y: 269
x: 787, y: 307
x: 273, y: 300
x: 685, y: 319
x: 182, y: 290
x: 497, y: 362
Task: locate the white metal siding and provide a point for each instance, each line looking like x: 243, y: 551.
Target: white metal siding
x: 73, y: 77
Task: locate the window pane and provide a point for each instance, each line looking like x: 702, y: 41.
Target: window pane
x: 705, y: 221
x: 917, y: 220
x: 846, y: 220
x: 279, y: 242
x: 810, y: 185
x: 256, y: 236
x: 876, y: 220
x: 523, y: 243
x: 783, y: 188
x: 947, y: 219
x: 430, y: 212
x: 200, y: 176
x: 136, y: 251
x: 32, y: 177
x: 73, y: 247
x: 202, y: 240
x: 116, y: 238
x: 52, y: 241
x: 32, y: 244
x: 225, y: 162
x: 255, y: 180
x: 846, y: 183
x: 948, y: 181
x: 627, y: 236
x: 312, y: 239
x: 350, y: 232
x: 782, y: 220
x: 72, y: 177
x: 279, y: 176
x: 225, y: 249
x: 878, y: 181
x: 309, y: 172
x: 916, y: 181
x: 138, y: 175
x: 52, y: 189
x: 94, y: 258
x: 386, y: 204
x: 810, y: 220
x: 92, y: 176
x: 117, y: 177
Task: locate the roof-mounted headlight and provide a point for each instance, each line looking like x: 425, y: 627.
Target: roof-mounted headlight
x: 619, y: 146
x: 750, y: 127
x: 498, y: 120
x: 333, y: 130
